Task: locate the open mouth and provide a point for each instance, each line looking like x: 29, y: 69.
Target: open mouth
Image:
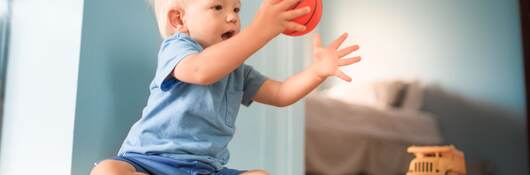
x: 228, y: 34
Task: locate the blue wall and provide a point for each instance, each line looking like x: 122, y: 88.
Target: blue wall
x: 467, y: 53
x: 119, y: 45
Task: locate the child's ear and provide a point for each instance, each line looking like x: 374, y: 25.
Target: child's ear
x: 175, y: 19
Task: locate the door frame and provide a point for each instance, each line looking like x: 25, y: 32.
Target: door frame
x: 4, y: 40
x: 525, y: 30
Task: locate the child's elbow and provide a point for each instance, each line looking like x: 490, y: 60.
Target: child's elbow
x: 281, y: 105
x: 203, y: 80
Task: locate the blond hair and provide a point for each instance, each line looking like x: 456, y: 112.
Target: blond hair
x: 161, y: 8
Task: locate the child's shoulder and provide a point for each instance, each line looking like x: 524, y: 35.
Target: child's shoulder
x: 179, y: 38
x: 180, y: 41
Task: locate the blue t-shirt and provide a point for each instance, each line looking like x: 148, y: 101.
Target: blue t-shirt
x: 187, y: 121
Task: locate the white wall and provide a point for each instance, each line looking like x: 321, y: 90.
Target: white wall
x: 37, y: 130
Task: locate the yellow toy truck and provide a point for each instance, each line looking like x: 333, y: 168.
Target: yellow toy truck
x: 436, y: 160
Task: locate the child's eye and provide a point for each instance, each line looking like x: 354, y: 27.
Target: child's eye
x: 217, y: 7
x: 236, y: 10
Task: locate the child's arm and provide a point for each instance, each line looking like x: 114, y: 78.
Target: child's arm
x: 326, y: 63
x: 218, y: 60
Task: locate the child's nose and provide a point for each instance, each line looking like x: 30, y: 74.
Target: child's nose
x: 232, y: 18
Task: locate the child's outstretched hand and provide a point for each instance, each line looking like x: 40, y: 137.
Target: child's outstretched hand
x: 326, y: 61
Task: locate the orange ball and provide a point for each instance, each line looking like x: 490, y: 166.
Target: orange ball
x: 310, y: 20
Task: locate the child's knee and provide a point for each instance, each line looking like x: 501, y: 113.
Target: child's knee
x: 113, y: 167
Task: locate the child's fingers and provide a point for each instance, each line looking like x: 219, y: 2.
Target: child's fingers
x: 336, y: 44
x: 286, y: 4
x: 317, y: 41
x: 342, y: 76
x: 347, y: 50
x: 295, y: 26
x: 292, y: 14
x: 349, y: 61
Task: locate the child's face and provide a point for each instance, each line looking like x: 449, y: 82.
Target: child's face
x: 212, y: 21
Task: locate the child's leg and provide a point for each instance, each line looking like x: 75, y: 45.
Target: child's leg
x: 114, y: 167
x: 255, y: 172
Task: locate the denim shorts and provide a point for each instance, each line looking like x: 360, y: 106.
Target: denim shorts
x: 158, y: 165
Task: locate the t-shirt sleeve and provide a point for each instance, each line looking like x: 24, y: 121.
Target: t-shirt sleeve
x: 172, y: 52
x: 253, y: 81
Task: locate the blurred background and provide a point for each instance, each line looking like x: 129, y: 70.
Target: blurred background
x: 74, y: 77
